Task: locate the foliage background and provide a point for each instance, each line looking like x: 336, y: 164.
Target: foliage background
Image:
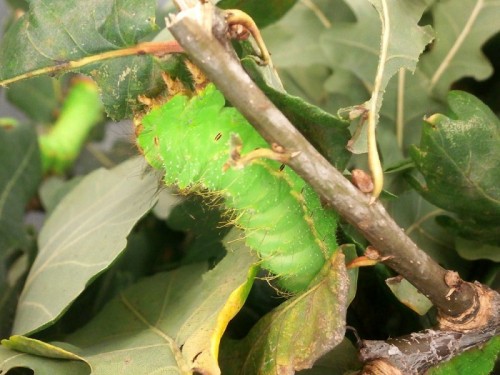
x: 321, y: 84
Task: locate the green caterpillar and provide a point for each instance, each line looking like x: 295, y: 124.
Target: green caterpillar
x: 281, y: 215
x: 81, y: 112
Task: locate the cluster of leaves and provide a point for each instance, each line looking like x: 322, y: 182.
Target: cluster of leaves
x: 332, y: 63
x: 117, y: 280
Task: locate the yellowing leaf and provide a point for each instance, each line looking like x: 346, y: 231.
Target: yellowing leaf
x: 299, y: 331
x: 171, y: 321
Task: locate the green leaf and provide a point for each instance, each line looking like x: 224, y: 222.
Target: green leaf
x: 479, y: 361
x: 11, y: 360
x: 205, y: 229
x: 36, y: 347
x: 20, y: 175
x: 471, y: 228
x: 398, y: 23
x: 38, y: 97
x: 82, y: 237
x: 150, y: 247
x: 349, y: 41
x: 459, y: 157
x: 462, y: 27
x: 417, y: 217
x: 342, y: 360
x: 262, y: 12
x: 54, y: 189
x: 327, y: 133
x: 168, y: 322
x: 474, y: 250
x: 299, y: 331
x: 295, y: 39
x: 13, y: 269
x: 346, y: 38
x: 346, y: 88
x: 57, y: 32
x: 408, y: 295
x: 406, y: 102
x: 353, y: 46
x: 295, y: 45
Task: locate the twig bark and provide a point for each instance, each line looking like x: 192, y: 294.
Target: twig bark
x: 417, y: 352
x: 202, y: 31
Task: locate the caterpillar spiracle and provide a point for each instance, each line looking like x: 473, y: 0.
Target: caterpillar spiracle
x: 281, y: 215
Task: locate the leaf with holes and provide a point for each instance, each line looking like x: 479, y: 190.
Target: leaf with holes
x: 54, y: 33
x: 13, y: 360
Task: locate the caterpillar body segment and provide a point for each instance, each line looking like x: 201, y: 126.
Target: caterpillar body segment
x: 281, y: 215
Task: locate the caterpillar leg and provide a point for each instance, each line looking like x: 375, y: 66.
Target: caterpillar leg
x: 236, y: 160
x: 240, y: 25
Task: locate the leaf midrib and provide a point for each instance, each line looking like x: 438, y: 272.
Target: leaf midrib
x: 456, y: 46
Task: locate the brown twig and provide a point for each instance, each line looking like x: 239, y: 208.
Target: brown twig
x: 202, y: 32
x: 417, y: 352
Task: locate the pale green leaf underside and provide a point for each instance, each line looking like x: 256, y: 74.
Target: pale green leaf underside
x: 166, y: 323
x: 406, y: 39
x: 408, y: 295
x: 399, y: 20
x: 462, y: 27
x: 473, y: 250
x: 348, y: 43
x: 356, y: 46
x: 11, y: 359
x: 82, y: 237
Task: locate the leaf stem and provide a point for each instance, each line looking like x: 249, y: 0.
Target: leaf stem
x: 373, y: 156
x: 145, y: 48
x: 419, y: 222
x: 400, y: 109
x: 318, y: 12
x: 456, y: 46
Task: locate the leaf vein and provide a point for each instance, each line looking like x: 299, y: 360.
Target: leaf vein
x: 19, y: 172
x: 458, y: 43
